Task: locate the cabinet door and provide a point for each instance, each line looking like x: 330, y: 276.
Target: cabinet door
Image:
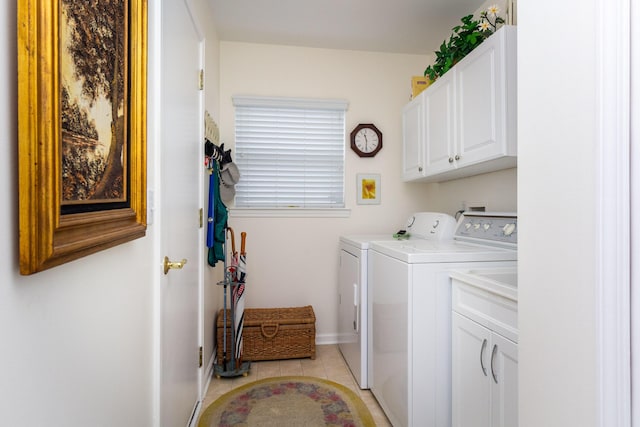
x: 480, y: 92
x: 412, y: 140
x: 504, y: 382
x: 439, y: 131
x: 470, y: 373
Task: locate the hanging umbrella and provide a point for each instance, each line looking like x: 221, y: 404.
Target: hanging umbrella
x: 224, y: 310
x: 233, y: 265
x: 230, y: 272
x: 242, y: 265
x: 238, y: 298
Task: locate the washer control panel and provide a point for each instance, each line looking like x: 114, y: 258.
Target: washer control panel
x: 483, y: 226
x: 431, y: 226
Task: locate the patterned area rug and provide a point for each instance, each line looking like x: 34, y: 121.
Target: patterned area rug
x: 288, y: 402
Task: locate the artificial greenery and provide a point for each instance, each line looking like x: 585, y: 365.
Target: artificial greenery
x: 464, y: 39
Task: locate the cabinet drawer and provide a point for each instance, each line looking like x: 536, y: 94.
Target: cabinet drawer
x: 496, y: 312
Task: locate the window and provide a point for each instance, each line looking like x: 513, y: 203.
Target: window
x: 290, y: 152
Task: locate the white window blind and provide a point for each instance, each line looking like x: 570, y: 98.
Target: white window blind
x: 290, y: 152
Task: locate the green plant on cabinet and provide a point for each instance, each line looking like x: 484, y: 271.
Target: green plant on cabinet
x: 464, y: 39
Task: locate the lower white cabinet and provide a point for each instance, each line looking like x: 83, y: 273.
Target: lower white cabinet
x: 485, y: 376
x: 484, y: 353
x: 504, y: 388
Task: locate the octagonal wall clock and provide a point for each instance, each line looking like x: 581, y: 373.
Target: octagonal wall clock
x: 366, y: 140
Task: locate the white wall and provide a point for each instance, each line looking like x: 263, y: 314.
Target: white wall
x: 76, y: 339
x: 496, y: 191
x: 294, y: 262
x: 557, y: 187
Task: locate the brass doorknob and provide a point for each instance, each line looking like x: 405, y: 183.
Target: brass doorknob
x: 176, y: 265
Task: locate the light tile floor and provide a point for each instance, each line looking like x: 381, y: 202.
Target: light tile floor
x: 328, y: 364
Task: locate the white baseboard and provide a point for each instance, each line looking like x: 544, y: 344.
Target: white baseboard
x: 325, y: 339
x: 203, y: 392
x: 208, y: 375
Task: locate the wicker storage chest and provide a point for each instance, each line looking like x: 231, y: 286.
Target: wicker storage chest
x: 273, y: 333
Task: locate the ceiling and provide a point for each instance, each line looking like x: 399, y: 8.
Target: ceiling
x: 398, y: 26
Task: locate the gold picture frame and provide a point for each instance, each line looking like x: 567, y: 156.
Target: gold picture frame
x: 49, y: 236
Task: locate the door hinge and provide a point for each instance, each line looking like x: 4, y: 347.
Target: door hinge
x: 201, y: 211
x: 201, y: 80
x: 200, y: 358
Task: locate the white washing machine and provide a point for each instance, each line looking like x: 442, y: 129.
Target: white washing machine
x: 410, y: 312
x: 353, y: 316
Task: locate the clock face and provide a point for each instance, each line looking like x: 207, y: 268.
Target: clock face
x: 366, y: 140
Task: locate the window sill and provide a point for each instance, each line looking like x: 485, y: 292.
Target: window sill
x: 289, y: 213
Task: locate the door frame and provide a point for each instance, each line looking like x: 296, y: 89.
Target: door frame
x: 197, y: 24
x: 614, y: 245
x: 634, y: 121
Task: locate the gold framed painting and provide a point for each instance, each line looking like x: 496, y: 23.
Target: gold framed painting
x: 82, y: 76
x: 368, y: 189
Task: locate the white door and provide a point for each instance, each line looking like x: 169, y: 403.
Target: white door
x: 412, y: 139
x: 471, y: 349
x: 478, y: 95
x: 481, y: 94
x: 504, y: 382
x: 439, y: 122
x: 181, y: 166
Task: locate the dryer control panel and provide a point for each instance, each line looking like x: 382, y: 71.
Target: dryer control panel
x: 486, y: 227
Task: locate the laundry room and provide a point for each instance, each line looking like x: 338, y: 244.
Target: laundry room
x: 294, y: 255
x: 101, y: 328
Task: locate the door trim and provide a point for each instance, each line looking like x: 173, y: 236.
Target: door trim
x: 613, y: 217
x: 154, y: 119
x: 202, y: 370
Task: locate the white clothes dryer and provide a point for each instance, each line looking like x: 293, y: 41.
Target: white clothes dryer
x: 410, y: 312
x: 353, y: 316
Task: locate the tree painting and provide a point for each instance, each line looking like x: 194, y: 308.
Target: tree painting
x: 93, y: 51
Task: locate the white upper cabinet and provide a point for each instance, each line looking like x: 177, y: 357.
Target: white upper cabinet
x: 468, y: 123
x: 412, y: 140
x: 439, y: 123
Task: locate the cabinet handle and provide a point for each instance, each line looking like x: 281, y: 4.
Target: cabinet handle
x: 484, y: 345
x: 493, y: 356
x: 450, y: 159
x: 457, y: 156
x: 419, y: 168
